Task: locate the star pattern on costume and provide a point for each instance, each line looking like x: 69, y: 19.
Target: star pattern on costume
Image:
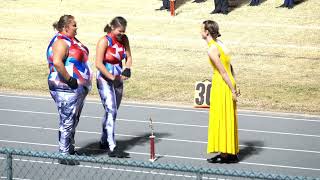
x: 117, y: 49
x: 84, y: 74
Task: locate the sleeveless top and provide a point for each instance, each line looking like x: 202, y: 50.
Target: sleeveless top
x: 114, y: 54
x: 225, y: 60
x: 76, y: 64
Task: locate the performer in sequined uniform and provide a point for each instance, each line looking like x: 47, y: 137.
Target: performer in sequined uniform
x: 69, y: 78
x: 112, y: 49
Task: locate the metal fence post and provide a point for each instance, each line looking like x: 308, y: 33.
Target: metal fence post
x: 199, y: 176
x: 9, y: 166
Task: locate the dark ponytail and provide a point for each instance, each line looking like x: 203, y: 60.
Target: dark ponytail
x: 213, y: 28
x: 107, y: 28
x: 115, y: 22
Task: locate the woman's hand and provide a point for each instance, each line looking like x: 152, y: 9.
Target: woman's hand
x: 124, y: 77
x: 234, y: 95
x: 238, y: 91
x: 119, y: 78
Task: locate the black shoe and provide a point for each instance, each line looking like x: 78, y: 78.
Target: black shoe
x: 117, y: 153
x: 103, y: 146
x: 68, y: 162
x: 229, y: 159
x: 76, y: 153
x: 162, y: 8
x: 252, y: 3
x: 233, y: 158
x: 225, y: 12
x: 216, y: 159
x: 290, y: 6
x: 216, y: 11
x: 198, y: 1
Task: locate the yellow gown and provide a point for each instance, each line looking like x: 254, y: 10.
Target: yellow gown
x: 223, y: 121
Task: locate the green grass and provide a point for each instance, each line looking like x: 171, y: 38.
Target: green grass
x: 275, y: 52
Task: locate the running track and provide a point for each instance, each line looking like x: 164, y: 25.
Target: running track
x: 269, y: 142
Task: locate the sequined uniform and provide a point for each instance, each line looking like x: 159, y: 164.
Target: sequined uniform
x: 111, y: 92
x: 69, y: 101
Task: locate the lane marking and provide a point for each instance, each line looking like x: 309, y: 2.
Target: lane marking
x: 180, y: 109
x: 166, y: 123
x: 179, y: 157
x: 165, y: 139
x: 5, y: 177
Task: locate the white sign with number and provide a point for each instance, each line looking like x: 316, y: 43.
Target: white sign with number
x: 202, y: 94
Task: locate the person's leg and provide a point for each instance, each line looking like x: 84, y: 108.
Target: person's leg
x: 108, y: 99
x: 217, y: 6
x: 284, y: 4
x: 81, y: 95
x: 252, y: 3
x: 166, y: 4
x: 224, y: 6
x: 118, y: 93
x: 66, y: 104
x: 290, y: 4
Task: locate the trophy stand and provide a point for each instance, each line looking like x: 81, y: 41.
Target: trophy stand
x: 152, y: 148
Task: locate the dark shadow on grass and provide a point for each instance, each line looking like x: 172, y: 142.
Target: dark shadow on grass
x: 93, y: 149
x: 298, y: 2
x: 251, y: 148
x: 179, y: 3
x: 198, y: 1
x: 241, y: 3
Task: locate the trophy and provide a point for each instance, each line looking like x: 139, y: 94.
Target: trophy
x: 152, y: 148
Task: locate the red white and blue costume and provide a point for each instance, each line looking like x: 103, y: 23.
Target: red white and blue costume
x: 110, y: 94
x: 69, y: 101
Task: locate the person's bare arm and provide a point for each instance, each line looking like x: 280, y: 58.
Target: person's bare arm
x: 214, y: 57
x: 100, y: 52
x: 60, y: 51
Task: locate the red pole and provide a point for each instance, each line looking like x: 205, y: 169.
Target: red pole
x: 172, y: 8
x: 152, y: 149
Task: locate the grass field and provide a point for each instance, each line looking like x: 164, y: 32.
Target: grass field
x: 275, y: 51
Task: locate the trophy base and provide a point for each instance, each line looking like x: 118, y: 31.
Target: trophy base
x: 153, y: 160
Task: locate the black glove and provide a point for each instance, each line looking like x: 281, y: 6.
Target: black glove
x: 72, y: 83
x: 126, y: 72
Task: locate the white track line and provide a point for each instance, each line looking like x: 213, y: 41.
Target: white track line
x: 173, y: 124
x: 175, y: 108
x: 165, y: 139
x: 166, y: 123
x: 177, y: 157
x: 4, y: 177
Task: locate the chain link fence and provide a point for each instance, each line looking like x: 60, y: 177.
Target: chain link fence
x: 25, y: 164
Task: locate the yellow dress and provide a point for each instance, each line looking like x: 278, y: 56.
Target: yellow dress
x: 223, y: 121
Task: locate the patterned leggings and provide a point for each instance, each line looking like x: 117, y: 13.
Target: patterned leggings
x: 69, y: 106
x: 110, y: 98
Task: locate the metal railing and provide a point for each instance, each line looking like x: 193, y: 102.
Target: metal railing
x: 27, y: 164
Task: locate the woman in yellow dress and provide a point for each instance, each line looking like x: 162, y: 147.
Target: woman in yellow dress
x: 223, y: 127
